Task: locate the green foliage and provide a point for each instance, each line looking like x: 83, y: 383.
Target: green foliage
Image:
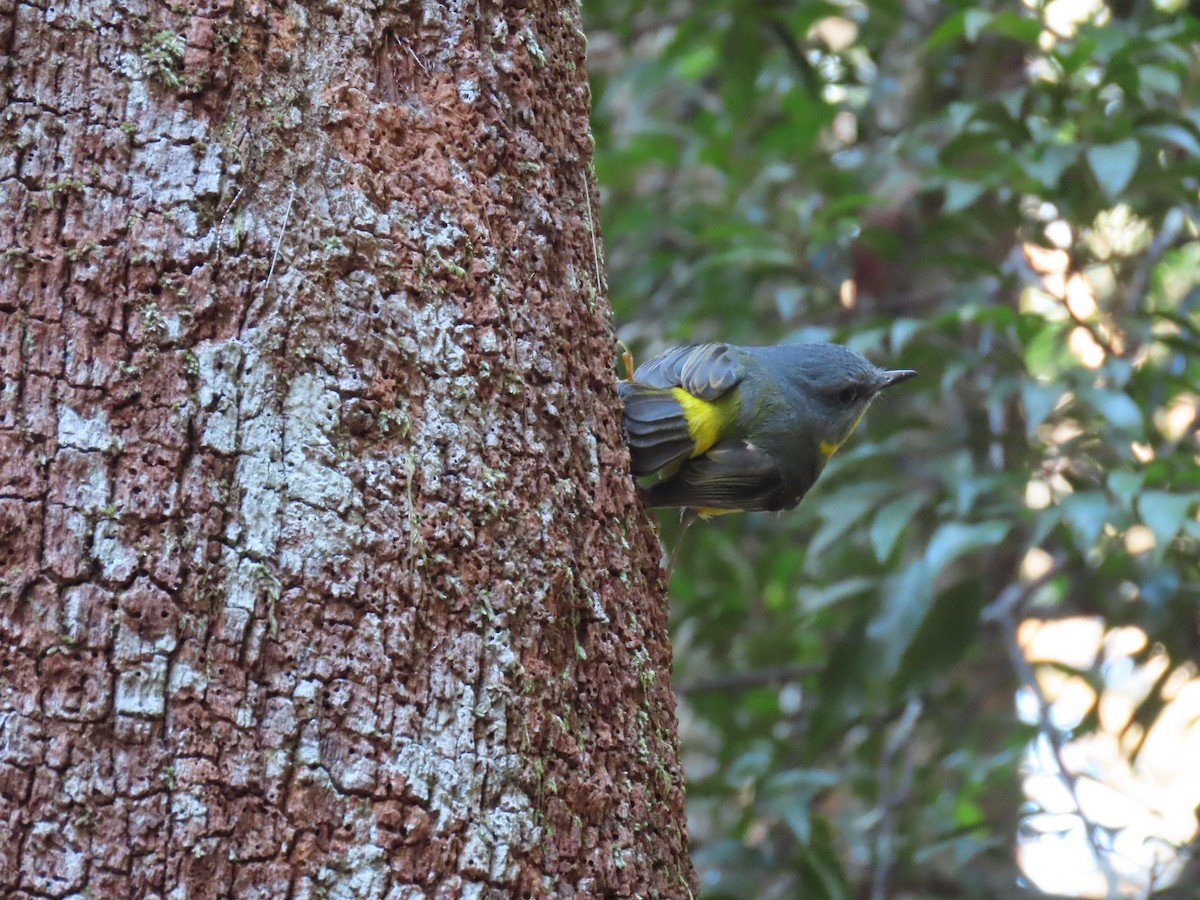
x: 1008, y: 209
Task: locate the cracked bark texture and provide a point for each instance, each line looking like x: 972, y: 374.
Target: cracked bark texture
x: 322, y: 570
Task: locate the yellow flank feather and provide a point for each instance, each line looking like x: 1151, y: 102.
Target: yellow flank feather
x: 706, y: 421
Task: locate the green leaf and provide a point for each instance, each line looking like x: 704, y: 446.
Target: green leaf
x: 742, y: 59
x: 955, y: 539
x: 1124, y: 485
x: 651, y: 146
x: 790, y: 793
x: 758, y: 256
x: 1164, y: 513
x: 906, y: 600
x: 1085, y: 512
x: 1044, y: 352
x: 901, y: 331
x: 1161, y: 80
x: 812, y: 600
x: 697, y: 62
x: 1048, y: 167
x: 974, y: 22
x: 751, y: 765
x: 1114, y: 165
x: 890, y: 521
x: 1119, y: 408
x: 807, y: 116
x: 958, y: 114
x: 1175, y: 134
x: 841, y: 509
x: 949, y: 29
x: 822, y: 876
x: 1026, y: 29
x: 944, y: 636
x: 1044, y: 522
x: 1039, y: 401
x: 961, y: 194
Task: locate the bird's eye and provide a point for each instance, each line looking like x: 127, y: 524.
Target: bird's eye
x: 846, y: 396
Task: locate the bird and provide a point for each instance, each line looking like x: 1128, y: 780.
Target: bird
x: 725, y: 428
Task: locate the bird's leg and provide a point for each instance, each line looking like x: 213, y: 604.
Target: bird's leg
x: 687, y: 516
x: 626, y: 360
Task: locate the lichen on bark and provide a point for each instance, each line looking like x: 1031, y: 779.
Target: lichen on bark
x: 323, y: 573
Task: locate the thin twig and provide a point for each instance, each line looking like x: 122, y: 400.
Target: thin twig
x: 1003, y: 608
x: 279, y: 241
x: 416, y: 59
x: 1139, y: 284
x: 899, y: 740
x: 1003, y: 611
x: 795, y: 54
x: 225, y: 215
x: 1019, y: 265
x: 738, y: 681
x: 1096, y: 334
x: 587, y: 194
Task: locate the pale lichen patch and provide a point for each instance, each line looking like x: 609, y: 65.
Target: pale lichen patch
x: 259, y: 473
x: 361, y: 873
x: 455, y: 767
x: 118, y: 561
x: 141, y: 689
x: 90, y: 433
x: 315, y: 522
x: 218, y: 365
x: 184, y: 677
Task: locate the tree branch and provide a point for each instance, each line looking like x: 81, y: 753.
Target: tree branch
x: 1139, y: 284
x: 899, y: 741
x: 1003, y: 612
x: 738, y: 681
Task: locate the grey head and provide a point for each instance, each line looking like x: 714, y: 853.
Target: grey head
x: 828, y: 387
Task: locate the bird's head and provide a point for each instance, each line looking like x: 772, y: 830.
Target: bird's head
x: 838, y: 384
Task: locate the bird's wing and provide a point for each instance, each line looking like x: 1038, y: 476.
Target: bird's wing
x: 655, y: 428
x: 732, y: 475
x: 703, y: 370
x: 671, y: 408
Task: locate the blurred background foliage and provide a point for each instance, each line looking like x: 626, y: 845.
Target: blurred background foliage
x: 1004, y: 197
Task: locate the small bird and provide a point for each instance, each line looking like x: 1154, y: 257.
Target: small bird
x: 728, y: 428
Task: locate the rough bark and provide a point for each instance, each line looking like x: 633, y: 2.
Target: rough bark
x: 323, y: 574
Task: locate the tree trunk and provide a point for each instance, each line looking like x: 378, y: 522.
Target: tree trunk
x: 323, y: 573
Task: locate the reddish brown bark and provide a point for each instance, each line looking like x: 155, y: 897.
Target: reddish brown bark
x: 322, y: 569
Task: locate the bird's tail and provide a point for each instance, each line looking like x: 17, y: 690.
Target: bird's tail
x: 655, y: 427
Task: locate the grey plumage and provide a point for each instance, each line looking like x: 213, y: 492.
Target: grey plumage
x: 781, y: 412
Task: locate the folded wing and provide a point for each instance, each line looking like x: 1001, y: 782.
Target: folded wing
x: 732, y: 475
x: 703, y: 370
x: 656, y: 423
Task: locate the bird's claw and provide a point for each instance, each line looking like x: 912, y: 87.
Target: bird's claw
x: 626, y: 360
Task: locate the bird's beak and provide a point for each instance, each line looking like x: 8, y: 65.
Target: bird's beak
x: 895, y: 376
